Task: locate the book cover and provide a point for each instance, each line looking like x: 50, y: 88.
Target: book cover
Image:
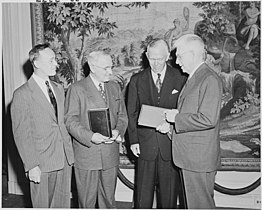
x: 99, y: 121
x: 151, y: 116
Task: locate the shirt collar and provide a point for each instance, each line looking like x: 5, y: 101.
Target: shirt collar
x: 96, y: 83
x: 191, y: 74
x: 155, y: 76
x: 39, y: 79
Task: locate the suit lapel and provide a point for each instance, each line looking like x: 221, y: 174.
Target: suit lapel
x: 93, y: 93
x: 147, y: 85
x: 188, y: 86
x: 166, y: 86
x: 59, y: 101
x: 40, y: 98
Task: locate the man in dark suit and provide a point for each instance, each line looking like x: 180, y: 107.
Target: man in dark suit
x: 96, y: 156
x: 45, y: 147
x: 158, y: 85
x: 195, y: 140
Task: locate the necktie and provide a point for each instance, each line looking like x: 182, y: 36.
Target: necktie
x: 52, y: 97
x: 102, y: 91
x: 158, y: 83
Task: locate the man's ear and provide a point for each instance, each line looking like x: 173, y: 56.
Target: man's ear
x: 35, y: 63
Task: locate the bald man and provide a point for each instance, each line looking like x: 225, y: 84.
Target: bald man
x: 96, y: 156
x: 158, y: 85
x: 195, y: 139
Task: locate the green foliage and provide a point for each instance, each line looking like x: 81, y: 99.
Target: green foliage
x: 250, y: 99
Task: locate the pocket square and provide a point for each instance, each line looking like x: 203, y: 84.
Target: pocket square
x: 174, y: 91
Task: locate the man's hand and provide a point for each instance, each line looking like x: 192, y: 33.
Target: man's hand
x: 115, y: 137
x: 119, y: 139
x: 34, y: 174
x: 98, y: 138
x: 115, y: 134
x: 163, y: 128
x: 135, y: 149
x: 170, y: 115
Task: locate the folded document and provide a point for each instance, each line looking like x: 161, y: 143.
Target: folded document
x: 151, y: 116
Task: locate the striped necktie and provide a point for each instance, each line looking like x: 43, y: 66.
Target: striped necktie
x: 102, y: 91
x: 158, y: 83
x: 52, y: 97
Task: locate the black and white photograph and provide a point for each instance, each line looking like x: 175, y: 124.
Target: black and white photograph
x: 175, y: 86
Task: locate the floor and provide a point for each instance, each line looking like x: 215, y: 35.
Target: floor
x: 21, y: 201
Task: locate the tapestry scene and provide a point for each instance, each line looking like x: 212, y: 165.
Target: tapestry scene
x: 125, y: 28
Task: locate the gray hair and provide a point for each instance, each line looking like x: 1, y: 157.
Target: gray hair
x: 95, y: 56
x: 191, y: 42
x: 158, y: 43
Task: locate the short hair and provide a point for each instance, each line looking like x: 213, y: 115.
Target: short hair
x: 191, y: 42
x: 158, y: 42
x: 34, y: 52
x: 94, y: 56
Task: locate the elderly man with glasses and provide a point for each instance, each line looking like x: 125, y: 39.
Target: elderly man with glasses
x: 96, y: 155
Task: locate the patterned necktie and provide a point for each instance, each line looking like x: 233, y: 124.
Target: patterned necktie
x: 158, y: 83
x: 102, y: 91
x: 52, y: 97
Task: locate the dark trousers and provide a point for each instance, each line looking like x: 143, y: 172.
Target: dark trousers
x: 96, y: 184
x: 54, y: 189
x: 160, y: 174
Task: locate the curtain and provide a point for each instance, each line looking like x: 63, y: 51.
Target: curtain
x: 17, y: 41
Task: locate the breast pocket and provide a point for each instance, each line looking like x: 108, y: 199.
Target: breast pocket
x: 172, y: 99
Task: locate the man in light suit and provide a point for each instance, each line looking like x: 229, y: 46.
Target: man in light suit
x: 195, y: 139
x: 40, y: 134
x: 96, y: 156
x: 153, y: 149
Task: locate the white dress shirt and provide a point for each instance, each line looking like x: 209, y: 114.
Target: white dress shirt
x: 97, y: 83
x: 191, y: 74
x: 41, y: 83
x: 155, y: 76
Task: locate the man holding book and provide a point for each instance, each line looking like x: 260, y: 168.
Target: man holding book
x: 159, y: 86
x: 96, y: 155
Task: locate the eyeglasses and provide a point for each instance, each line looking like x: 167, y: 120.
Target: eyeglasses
x: 107, y: 68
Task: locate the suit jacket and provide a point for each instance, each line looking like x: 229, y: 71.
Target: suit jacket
x: 142, y: 90
x: 41, y: 139
x: 82, y: 96
x: 195, y: 139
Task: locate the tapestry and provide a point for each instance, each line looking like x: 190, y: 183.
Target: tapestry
x: 124, y: 29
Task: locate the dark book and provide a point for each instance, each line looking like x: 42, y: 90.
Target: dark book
x: 99, y: 121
